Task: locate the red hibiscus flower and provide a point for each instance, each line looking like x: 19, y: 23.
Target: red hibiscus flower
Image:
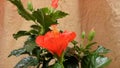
x: 54, y: 3
x: 54, y: 41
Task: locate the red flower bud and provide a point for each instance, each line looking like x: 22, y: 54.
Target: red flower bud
x: 54, y: 3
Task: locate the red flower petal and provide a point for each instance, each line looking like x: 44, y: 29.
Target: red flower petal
x: 55, y: 43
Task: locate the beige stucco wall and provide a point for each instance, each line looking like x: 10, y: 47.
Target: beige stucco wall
x: 102, y: 15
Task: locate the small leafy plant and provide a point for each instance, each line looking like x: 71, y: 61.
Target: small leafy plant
x: 45, y: 42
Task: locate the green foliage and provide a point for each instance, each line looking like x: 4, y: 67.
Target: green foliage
x: 31, y: 49
x: 18, y: 52
x: 71, y: 62
x: 30, y: 44
x: 43, y: 18
x: 88, y: 61
x: 58, y: 14
x: 28, y: 48
x: 57, y: 65
x: 20, y: 34
x: 36, y: 27
x: 102, y: 50
x: 102, y: 62
x: 89, y: 45
x: 21, y: 10
x: 95, y: 59
x: 91, y: 58
x: 26, y: 62
x: 47, y: 17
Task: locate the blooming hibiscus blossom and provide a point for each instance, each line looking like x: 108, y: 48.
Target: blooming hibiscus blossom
x: 54, y: 3
x: 55, y: 41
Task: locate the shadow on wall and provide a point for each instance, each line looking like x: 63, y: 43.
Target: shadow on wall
x: 98, y: 14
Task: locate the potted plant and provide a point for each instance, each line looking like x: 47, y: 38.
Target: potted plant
x: 45, y: 42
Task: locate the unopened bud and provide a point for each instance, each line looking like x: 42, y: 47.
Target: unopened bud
x: 91, y: 35
x: 83, y: 35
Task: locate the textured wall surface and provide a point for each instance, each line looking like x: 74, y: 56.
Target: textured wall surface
x: 102, y: 15
x: 1, y: 18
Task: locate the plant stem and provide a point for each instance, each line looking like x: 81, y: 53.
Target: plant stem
x: 42, y: 30
x: 61, y: 60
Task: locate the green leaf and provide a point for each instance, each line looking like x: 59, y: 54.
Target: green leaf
x: 74, y: 42
x: 21, y: 10
x: 88, y: 46
x: 69, y: 51
x: 57, y: 65
x: 102, y: 61
x: 44, y: 19
x: 17, y: 3
x: 30, y: 44
x: 71, y: 62
x: 49, y: 21
x: 39, y: 15
x: 46, y: 11
x: 102, y: 50
x: 88, y: 61
x: 30, y: 6
x: 36, y: 27
x: 42, y: 16
x: 34, y: 32
x: 37, y: 51
x: 78, y: 49
x: 18, y: 52
x: 29, y: 48
x: 58, y: 14
x: 20, y: 33
x: 26, y: 62
x: 26, y: 15
x: 94, y: 61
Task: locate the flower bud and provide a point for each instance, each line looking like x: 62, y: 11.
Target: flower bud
x: 30, y: 6
x: 54, y: 3
x: 91, y: 35
x: 83, y: 35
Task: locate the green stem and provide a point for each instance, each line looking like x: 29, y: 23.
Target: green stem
x: 82, y: 43
x: 61, y: 60
x: 36, y: 22
x: 42, y: 30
